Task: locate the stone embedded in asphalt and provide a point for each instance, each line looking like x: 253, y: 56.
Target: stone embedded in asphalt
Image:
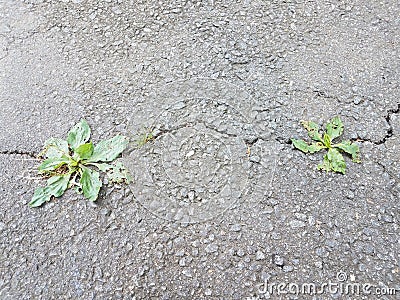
x: 211, y: 248
x: 296, y: 224
x: 278, y: 260
x: 235, y: 227
x: 260, y: 255
x: 240, y: 252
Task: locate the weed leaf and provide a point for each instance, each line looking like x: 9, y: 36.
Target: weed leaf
x: 91, y: 184
x: 116, y: 173
x: 79, y: 134
x: 327, y: 140
x: 84, y: 151
x: 351, y: 149
x: 52, y: 164
x: 39, y: 197
x: 108, y: 150
x: 103, y: 167
x: 306, y: 148
x: 301, y: 145
x: 313, y: 130
x: 119, y: 174
x: 334, y: 128
x: 337, y: 161
x: 325, y: 165
x: 55, y: 147
x: 56, y: 186
x: 333, y: 161
x: 315, y: 147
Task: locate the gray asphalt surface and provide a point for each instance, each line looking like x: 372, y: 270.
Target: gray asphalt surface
x: 244, y: 73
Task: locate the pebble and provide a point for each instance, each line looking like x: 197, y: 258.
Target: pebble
x: 301, y: 216
x: 116, y: 10
x: 268, y: 210
x: 211, y: 237
x: 362, y: 267
x: 176, y: 10
x: 255, y: 158
x: 287, y: 269
x: 208, y: 292
x: 117, y: 196
x: 187, y: 273
x: 240, y: 252
x: 260, y: 255
x: 178, y: 105
x: 191, y: 195
x: 278, y: 260
x: 105, y: 212
x: 276, y: 235
x: 318, y: 264
x: 184, y: 192
x: 190, y: 154
x: 368, y: 249
x: 126, y: 200
x: 268, y: 226
x: 320, y: 252
x: 368, y: 231
x: 211, y: 248
x: 120, y: 127
x: 195, y: 252
x: 387, y: 218
x: 296, y: 224
x: 182, y: 262
x: 235, y: 228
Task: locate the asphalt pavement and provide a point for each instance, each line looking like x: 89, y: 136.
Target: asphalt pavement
x: 221, y: 206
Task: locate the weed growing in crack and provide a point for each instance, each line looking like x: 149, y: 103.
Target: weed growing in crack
x: 147, y: 135
x: 69, y: 163
x: 333, y: 160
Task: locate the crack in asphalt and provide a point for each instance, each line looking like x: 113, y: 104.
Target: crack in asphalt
x: 390, y: 112
x: 389, y: 132
x: 395, y: 178
x: 18, y: 152
x: 324, y: 95
x: 283, y: 141
x: 162, y: 131
x: 385, y: 169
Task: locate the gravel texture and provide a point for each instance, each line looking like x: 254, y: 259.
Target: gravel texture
x: 221, y: 203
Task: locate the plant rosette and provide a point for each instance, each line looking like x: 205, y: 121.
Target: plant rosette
x: 72, y: 163
x: 333, y: 159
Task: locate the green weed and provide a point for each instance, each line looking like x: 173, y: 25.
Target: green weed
x: 333, y: 160
x: 69, y: 163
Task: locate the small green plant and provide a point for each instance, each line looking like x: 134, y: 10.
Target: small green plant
x: 68, y: 163
x: 144, y: 137
x: 333, y: 160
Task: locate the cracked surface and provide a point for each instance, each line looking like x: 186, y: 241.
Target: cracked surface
x: 120, y: 64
